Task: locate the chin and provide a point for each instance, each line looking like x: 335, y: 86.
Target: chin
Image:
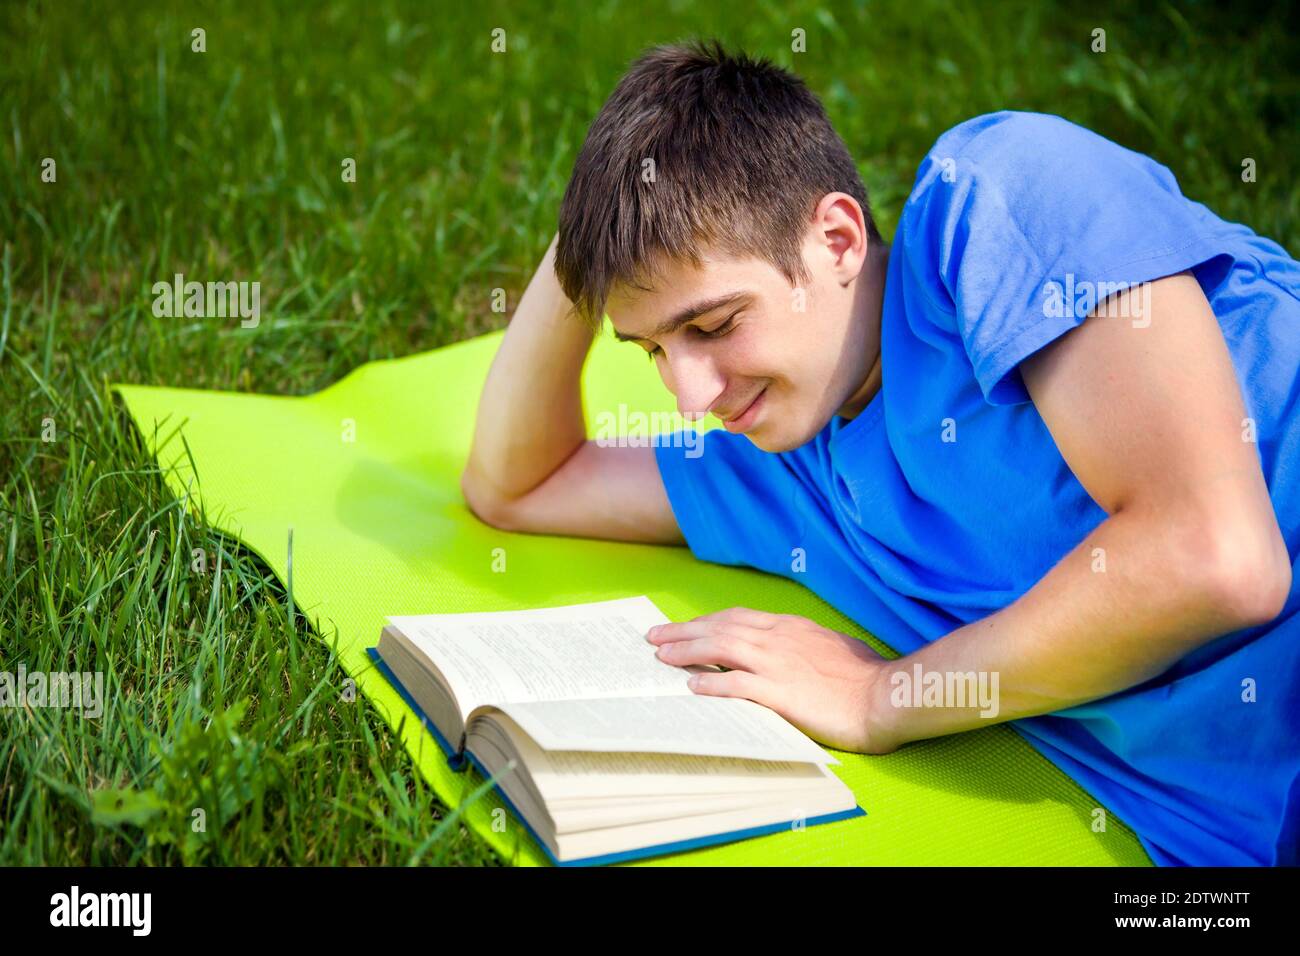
x: 778, y: 431
x: 774, y: 442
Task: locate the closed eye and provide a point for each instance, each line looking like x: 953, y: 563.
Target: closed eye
x: 717, y: 333
x: 721, y: 330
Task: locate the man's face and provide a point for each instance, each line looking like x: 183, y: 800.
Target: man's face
x: 777, y: 360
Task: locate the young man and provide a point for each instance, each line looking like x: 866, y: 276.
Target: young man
x: 1049, y: 436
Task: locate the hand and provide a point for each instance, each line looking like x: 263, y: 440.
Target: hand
x: 820, y: 680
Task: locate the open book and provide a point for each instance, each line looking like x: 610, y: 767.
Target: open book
x: 614, y: 756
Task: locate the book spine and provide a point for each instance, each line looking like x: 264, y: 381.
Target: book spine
x: 458, y: 761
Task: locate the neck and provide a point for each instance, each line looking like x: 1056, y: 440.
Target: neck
x: 867, y: 318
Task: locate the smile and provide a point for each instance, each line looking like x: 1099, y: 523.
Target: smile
x: 745, y: 419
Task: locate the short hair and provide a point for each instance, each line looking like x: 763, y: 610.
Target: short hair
x: 742, y: 153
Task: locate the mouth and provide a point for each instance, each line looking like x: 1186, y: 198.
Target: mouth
x: 747, y: 416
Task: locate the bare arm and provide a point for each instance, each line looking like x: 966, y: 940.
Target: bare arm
x: 531, y: 467
x: 1150, y: 421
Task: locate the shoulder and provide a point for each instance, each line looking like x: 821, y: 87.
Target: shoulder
x: 1011, y: 149
x: 1034, y: 169
x: 972, y: 159
x: 994, y: 133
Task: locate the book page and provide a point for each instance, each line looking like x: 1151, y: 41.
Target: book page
x: 575, y: 651
x: 694, y: 724
x: 581, y: 777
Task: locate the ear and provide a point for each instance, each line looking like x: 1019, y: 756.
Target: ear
x: 839, y: 235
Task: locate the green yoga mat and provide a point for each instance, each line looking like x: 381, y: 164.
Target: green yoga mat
x: 367, y: 471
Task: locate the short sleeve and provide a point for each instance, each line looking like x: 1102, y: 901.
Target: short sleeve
x: 735, y: 503
x: 1019, y: 224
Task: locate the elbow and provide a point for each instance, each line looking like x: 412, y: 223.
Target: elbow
x: 1251, y: 583
x: 483, y: 503
x: 1271, y: 593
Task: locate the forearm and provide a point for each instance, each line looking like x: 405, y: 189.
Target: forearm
x: 530, y: 417
x: 1134, y: 596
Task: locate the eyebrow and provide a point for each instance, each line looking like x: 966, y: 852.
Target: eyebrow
x: 693, y: 311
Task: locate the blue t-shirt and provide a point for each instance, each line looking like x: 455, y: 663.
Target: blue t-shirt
x: 1013, y: 221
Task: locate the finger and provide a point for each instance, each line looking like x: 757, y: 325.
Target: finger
x: 734, y: 684
x: 697, y: 628
x: 727, y: 650
x: 748, y: 616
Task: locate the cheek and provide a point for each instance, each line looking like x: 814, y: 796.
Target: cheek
x: 779, y: 363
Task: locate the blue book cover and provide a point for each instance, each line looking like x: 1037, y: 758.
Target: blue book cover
x: 462, y: 762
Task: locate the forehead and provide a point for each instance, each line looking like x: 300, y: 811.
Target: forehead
x: 676, y: 291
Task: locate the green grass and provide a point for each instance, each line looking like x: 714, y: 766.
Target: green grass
x: 226, y: 165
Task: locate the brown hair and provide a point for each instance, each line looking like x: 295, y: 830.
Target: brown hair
x: 742, y: 152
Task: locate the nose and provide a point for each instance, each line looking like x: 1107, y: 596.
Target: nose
x: 696, y: 380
